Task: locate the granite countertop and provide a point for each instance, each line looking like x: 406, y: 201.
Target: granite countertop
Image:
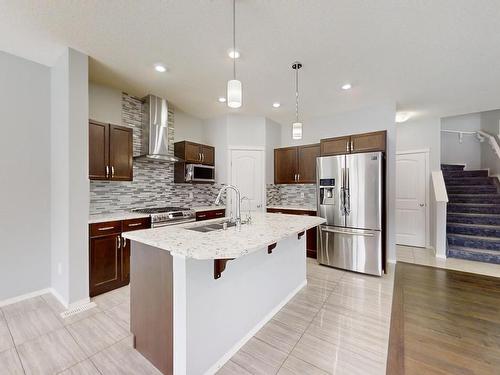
x: 298, y: 208
x: 122, y: 215
x: 265, y: 230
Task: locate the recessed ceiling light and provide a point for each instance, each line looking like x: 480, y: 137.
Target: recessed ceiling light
x: 403, y: 116
x: 222, y: 99
x: 234, y: 54
x: 346, y: 86
x: 160, y: 68
x: 276, y: 105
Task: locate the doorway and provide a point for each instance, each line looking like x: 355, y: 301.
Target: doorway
x: 412, y: 198
x: 247, y: 172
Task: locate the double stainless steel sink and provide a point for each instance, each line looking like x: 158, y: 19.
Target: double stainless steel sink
x: 213, y: 227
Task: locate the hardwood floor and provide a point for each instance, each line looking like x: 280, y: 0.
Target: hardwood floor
x: 444, y: 322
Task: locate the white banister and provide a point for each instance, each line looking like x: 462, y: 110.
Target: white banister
x: 492, y: 141
x: 440, y: 200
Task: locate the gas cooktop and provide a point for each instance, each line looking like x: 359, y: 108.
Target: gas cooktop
x: 160, y: 210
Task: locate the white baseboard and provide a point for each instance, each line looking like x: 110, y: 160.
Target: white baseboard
x: 69, y: 306
x: 226, y: 357
x: 56, y: 294
x: 10, y: 301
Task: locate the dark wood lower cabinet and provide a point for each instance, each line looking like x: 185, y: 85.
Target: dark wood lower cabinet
x: 109, y: 254
x: 312, y: 234
x: 106, y: 257
x: 212, y: 214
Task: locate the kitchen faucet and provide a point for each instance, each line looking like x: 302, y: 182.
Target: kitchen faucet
x: 238, y: 202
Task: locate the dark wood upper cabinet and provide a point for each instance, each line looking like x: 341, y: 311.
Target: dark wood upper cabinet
x: 98, y: 146
x: 285, y: 165
x: 335, y: 146
x: 192, y: 152
x: 110, y: 152
x: 296, y: 165
x: 366, y: 142
x: 307, y: 163
x: 120, y: 153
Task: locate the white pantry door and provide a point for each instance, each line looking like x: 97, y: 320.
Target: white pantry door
x: 247, y: 174
x: 411, y: 210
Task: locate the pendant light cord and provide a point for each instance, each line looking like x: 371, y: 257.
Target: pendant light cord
x: 297, y: 93
x: 234, y: 39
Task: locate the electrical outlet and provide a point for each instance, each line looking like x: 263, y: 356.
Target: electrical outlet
x: 302, y: 195
x: 59, y: 268
x: 191, y: 195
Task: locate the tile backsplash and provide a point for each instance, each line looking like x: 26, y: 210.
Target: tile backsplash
x: 153, y: 183
x: 302, y: 195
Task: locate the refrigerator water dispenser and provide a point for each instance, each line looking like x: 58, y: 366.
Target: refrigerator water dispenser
x: 326, y: 191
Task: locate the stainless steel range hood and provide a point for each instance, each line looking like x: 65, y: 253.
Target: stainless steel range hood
x: 154, y: 142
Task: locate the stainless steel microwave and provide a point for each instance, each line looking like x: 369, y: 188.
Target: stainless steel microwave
x: 200, y: 173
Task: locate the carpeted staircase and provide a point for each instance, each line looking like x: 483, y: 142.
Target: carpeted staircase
x: 473, y: 224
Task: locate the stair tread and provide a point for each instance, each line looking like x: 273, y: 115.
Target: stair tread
x: 485, y: 226
x: 474, y: 204
x: 474, y: 195
x: 472, y: 237
x: 473, y: 214
x: 474, y: 250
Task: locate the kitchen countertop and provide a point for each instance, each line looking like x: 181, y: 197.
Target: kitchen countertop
x: 298, y: 208
x: 207, y: 208
x: 265, y: 230
x: 122, y: 215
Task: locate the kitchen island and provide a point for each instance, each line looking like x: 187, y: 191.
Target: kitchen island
x: 198, y: 293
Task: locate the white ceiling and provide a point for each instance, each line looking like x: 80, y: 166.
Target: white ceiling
x: 434, y: 57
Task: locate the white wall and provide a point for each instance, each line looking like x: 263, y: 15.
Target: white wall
x: 25, y: 176
x: 380, y: 117
x: 273, y: 140
x: 187, y: 127
x: 246, y: 131
x: 69, y: 177
x: 469, y: 151
x: 490, y: 123
x: 105, y: 104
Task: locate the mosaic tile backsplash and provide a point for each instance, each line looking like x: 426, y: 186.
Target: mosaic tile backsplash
x: 303, y: 195
x: 153, y: 183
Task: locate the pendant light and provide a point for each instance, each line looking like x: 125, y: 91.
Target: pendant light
x: 297, y: 125
x: 234, y: 91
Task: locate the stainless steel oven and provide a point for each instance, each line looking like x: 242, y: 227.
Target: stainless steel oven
x: 199, y: 173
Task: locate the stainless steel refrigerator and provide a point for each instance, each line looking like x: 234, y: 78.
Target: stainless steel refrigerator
x: 350, y: 198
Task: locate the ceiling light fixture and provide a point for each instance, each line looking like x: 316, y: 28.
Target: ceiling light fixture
x: 222, y: 99
x: 297, y: 125
x: 402, y: 117
x: 346, y: 86
x: 233, y: 54
x: 234, y: 90
x: 276, y: 105
x: 160, y: 68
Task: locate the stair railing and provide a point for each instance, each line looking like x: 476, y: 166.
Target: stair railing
x: 439, y: 200
x: 492, y: 141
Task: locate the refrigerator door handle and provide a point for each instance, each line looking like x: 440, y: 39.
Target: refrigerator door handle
x: 342, y: 192
x: 364, y: 234
x: 347, y: 193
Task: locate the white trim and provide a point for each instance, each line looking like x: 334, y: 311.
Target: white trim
x: 226, y: 357
x: 256, y: 148
x: 61, y: 300
x: 69, y: 306
x: 393, y: 261
x: 22, y: 297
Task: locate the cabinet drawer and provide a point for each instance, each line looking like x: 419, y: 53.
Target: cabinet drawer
x: 106, y: 228
x: 136, y: 224
x: 291, y: 212
x: 207, y: 215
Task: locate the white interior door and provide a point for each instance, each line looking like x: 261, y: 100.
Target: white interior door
x: 247, y: 174
x: 411, y: 210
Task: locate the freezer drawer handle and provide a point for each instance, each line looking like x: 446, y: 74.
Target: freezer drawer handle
x: 344, y: 232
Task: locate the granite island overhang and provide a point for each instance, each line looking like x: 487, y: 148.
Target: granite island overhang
x: 197, y: 297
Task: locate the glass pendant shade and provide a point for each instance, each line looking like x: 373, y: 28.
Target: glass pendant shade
x: 234, y: 93
x: 297, y: 130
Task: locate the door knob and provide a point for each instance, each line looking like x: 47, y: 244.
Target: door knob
x: 421, y: 205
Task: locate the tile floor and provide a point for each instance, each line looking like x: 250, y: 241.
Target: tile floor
x: 426, y: 257
x: 339, y: 323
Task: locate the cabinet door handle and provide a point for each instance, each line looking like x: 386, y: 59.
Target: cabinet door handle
x: 106, y: 228
x: 347, y: 146
x: 352, y: 145
x: 118, y: 242
x: 202, y: 215
x: 112, y: 171
x: 203, y: 157
x: 298, y: 176
x: 134, y: 224
x: 107, y: 171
